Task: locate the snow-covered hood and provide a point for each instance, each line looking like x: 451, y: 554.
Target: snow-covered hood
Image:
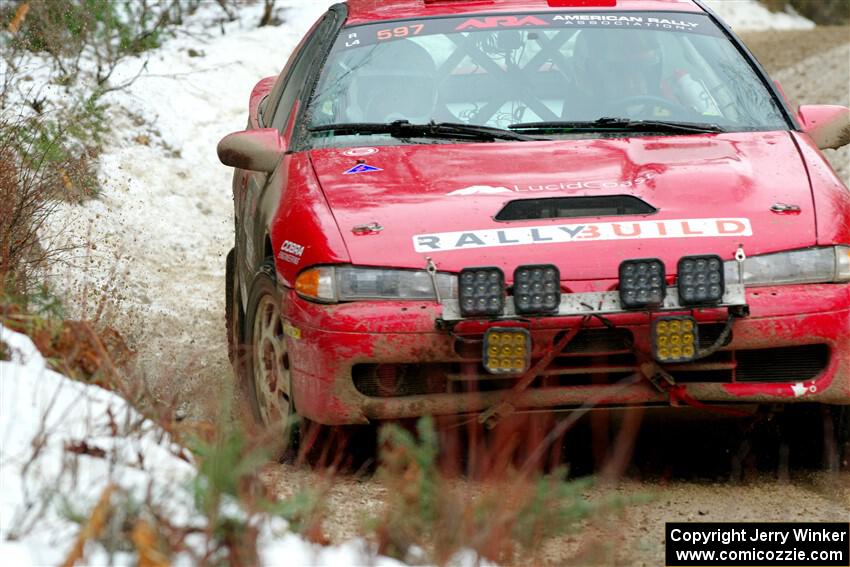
x: 712, y: 193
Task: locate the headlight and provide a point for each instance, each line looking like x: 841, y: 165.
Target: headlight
x: 812, y: 265
x: 348, y: 283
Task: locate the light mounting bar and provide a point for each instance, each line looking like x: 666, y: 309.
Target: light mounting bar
x: 603, y: 303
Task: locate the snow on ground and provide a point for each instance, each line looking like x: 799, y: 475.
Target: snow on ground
x: 750, y: 15
x: 42, y: 413
x: 162, y: 224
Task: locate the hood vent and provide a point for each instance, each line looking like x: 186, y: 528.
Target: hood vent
x: 574, y: 207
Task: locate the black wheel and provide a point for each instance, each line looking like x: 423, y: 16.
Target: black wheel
x: 233, y: 313
x: 266, y: 376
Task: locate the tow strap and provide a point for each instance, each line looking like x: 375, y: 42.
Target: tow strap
x: 677, y: 394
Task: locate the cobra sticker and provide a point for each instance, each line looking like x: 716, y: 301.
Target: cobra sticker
x: 291, y: 252
x: 591, y: 231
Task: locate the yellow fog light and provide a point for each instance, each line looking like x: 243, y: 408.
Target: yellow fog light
x: 675, y: 339
x: 507, y: 350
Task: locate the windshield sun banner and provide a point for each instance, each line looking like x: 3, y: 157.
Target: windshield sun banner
x: 371, y: 34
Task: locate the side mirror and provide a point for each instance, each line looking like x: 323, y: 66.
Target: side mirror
x: 828, y: 126
x: 254, y: 150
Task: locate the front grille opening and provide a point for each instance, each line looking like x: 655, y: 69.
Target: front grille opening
x: 470, y: 348
x: 716, y: 368
x: 483, y: 384
x: 397, y: 380
x: 710, y: 332
x: 575, y: 207
x: 592, y: 364
x: 786, y: 364
x: 596, y: 356
x: 600, y: 340
x: 583, y: 379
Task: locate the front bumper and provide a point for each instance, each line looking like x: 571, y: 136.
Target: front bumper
x: 357, y: 362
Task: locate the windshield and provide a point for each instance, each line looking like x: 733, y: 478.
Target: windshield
x: 554, y: 68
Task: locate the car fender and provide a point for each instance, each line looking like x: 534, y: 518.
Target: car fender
x: 300, y: 226
x: 831, y: 196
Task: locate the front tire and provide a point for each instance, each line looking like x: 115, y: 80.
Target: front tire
x: 267, y: 377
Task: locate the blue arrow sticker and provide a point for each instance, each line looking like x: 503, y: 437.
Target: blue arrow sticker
x: 362, y: 168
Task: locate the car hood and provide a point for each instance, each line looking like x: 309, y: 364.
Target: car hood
x: 399, y: 205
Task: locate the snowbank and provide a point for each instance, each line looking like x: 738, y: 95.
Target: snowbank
x: 750, y: 15
x: 61, y: 444
x: 42, y: 483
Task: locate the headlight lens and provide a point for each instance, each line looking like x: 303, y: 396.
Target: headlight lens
x: 812, y: 265
x: 349, y: 283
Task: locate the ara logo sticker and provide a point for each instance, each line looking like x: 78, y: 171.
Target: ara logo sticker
x: 362, y: 168
x: 501, y: 21
x: 597, y: 231
x: 360, y: 152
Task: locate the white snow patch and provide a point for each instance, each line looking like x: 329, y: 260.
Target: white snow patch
x: 750, y: 15
x: 39, y: 406
x: 292, y: 550
x: 41, y: 412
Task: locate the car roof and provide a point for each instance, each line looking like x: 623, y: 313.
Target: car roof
x: 370, y: 11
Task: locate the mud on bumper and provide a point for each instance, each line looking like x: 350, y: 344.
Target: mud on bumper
x: 357, y: 362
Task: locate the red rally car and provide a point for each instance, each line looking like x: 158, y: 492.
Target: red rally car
x: 484, y: 207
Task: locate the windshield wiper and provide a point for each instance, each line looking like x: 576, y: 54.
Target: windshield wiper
x: 620, y: 125
x: 404, y: 129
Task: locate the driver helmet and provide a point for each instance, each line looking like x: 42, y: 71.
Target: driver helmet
x: 617, y: 64
x: 394, y: 81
